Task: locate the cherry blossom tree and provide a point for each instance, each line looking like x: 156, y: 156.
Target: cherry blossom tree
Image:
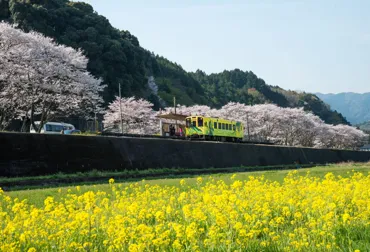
x: 138, y: 116
x: 285, y: 126
x: 290, y: 126
x: 50, y: 79
x: 341, y: 137
x: 202, y: 110
x: 10, y: 96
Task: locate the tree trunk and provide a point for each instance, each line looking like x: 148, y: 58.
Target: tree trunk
x: 33, y: 119
x: 23, y: 129
x: 44, y: 116
x: 2, y: 116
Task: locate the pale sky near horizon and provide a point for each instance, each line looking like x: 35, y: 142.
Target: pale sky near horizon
x: 313, y: 46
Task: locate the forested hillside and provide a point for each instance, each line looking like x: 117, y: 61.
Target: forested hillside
x: 117, y: 57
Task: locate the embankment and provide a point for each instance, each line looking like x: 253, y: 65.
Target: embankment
x: 25, y: 154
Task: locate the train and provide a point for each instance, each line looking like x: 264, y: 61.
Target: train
x: 213, y: 129
x: 200, y: 128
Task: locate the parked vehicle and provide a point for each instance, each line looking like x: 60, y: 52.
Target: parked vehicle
x: 72, y: 132
x: 53, y: 127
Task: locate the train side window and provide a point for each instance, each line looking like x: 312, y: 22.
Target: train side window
x: 200, y: 122
x: 215, y: 125
x: 219, y: 126
x: 234, y: 128
x: 223, y: 126
x: 230, y: 127
x: 188, y: 122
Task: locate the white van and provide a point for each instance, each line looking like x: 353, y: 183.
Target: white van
x: 53, y: 127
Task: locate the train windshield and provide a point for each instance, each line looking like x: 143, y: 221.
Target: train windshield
x: 188, y: 122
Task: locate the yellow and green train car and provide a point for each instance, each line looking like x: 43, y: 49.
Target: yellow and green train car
x: 209, y: 128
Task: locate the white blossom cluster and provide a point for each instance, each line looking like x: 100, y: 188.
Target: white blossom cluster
x: 39, y: 77
x: 265, y: 122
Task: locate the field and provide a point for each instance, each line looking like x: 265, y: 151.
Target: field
x: 318, y: 209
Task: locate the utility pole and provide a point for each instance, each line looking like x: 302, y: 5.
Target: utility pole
x: 120, y: 106
x: 249, y: 136
x: 95, y: 123
x: 174, y: 104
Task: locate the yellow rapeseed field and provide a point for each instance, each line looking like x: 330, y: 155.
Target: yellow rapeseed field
x: 303, y: 213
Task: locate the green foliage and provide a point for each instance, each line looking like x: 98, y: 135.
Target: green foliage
x: 113, y: 55
x: 237, y: 86
x: 173, y: 80
x: 4, y: 9
x: 117, y: 57
x: 50, y: 185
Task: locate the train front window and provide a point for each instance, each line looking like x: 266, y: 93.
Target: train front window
x: 188, y: 122
x: 200, y: 121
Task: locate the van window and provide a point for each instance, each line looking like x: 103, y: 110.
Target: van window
x: 215, y: 125
x: 200, y: 121
x: 53, y: 128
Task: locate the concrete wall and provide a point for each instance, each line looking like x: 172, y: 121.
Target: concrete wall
x: 23, y: 154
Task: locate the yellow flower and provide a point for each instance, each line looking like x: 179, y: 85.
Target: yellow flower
x: 177, y: 245
x: 345, y: 217
x: 111, y: 181
x: 133, y: 248
x: 182, y: 182
x: 300, y: 214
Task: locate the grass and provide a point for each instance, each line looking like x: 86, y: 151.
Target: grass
x: 95, y: 176
x: 37, y: 196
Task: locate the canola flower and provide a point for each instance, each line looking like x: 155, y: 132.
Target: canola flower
x: 304, y: 213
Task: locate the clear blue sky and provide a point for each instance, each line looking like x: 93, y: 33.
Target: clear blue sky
x: 312, y: 45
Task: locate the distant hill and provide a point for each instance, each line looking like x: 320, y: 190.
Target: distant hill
x: 365, y: 126
x: 354, y: 106
x: 117, y: 57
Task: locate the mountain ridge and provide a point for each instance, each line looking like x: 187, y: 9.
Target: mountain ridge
x: 117, y: 57
x: 354, y: 106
